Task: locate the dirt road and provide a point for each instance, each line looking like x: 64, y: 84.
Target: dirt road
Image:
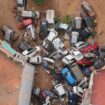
x: 99, y: 7
x: 62, y: 7
x: 9, y: 81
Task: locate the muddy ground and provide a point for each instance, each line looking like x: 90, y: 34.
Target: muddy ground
x: 12, y: 75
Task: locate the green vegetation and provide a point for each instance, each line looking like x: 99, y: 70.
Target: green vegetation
x: 39, y: 1
x: 57, y: 19
x: 66, y: 19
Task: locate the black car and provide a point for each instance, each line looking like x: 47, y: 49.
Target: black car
x: 43, y: 29
x: 85, y: 33
x: 99, y: 63
x: 72, y: 98
x: 88, y: 21
x: 102, y: 52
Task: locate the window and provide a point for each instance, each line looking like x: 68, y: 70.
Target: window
x: 66, y: 74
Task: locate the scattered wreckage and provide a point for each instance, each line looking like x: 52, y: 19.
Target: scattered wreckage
x: 76, y: 62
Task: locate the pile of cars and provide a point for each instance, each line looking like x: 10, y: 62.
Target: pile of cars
x: 75, y: 62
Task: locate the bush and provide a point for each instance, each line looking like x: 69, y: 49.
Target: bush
x: 67, y: 19
x: 57, y: 19
x: 39, y: 1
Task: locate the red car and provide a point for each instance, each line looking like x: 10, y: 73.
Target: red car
x: 84, y: 62
x: 23, y: 23
x: 90, y: 48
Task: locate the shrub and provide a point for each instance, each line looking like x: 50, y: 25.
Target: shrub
x: 39, y: 1
x: 67, y: 19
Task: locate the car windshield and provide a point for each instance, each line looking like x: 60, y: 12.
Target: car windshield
x: 77, y: 55
x: 62, y: 96
x: 102, y: 50
x: 38, y: 59
x: 66, y: 74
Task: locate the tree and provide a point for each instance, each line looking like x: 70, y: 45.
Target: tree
x: 39, y: 1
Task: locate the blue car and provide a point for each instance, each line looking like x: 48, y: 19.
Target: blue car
x: 70, y: 78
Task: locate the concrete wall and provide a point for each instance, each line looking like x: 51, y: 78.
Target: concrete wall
x: 26, y: 84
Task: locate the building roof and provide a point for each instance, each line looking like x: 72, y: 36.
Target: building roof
x: 98, y: 93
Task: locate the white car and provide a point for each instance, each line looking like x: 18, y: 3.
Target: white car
x: 60, y: 90
x: 32, y: 30
x: 76, y: 54
x: 68, y: 59
x: 80, y: 45
x: 35, y: 60
x: 52, y: 35
x: 59, y: 45
x: 21, y: 5
x: 48, y: 60
x: 31, y: 52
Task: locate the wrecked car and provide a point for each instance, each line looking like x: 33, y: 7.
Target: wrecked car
x: 10, y: 35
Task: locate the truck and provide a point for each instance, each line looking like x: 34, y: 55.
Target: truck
x: 77, y: 72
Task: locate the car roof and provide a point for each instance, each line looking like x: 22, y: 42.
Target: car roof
x: 79, y: 43
x: 50, y: 14
x: 63, y: 26
x: 52, y: 35
x: 60, y: 89
x: 75, y: 52
x: 64, y: 70
x: 69, y: 57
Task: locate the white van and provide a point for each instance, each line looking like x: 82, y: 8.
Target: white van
x: 30, y: 14
x: 48, y: 60
x: 52, y: 35
x: 60, y: 90
x: 59, y: 45
x: 20, y: 5
x: 35, y: 60
x: 50, y: 14
x: 77, y: 22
